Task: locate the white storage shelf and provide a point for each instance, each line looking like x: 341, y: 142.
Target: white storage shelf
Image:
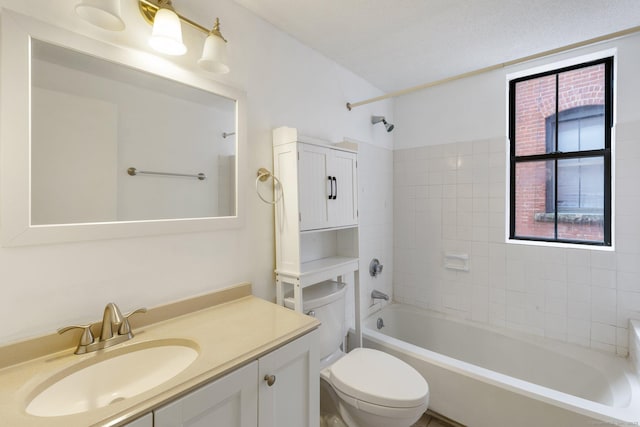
x: 313, y: 272
x: 317, y: 218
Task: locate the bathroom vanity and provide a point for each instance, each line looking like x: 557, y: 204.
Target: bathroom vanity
x: 256, y: 365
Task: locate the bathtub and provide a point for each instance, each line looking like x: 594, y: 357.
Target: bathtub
x: 481, y: 377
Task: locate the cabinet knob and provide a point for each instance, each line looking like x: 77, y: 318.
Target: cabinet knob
x: 270, y: 379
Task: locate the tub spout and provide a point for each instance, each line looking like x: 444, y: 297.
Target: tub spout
x: 376, y: 294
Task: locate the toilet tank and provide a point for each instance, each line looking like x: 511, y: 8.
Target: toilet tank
x: 325, y: 301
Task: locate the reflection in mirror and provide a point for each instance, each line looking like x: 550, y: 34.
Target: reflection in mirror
x: 92, y: 120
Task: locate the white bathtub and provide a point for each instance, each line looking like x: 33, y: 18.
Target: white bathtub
x: 481, y: 377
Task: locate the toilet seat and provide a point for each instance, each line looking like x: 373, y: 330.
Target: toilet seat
x: 368, y: 378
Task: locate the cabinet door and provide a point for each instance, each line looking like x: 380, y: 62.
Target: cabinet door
x: 343, y: 208
x: 230, y: 401
x: 293, y: 399
x: 144, y: 421
x: 314, y: 187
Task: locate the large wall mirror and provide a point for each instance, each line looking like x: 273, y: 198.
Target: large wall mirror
x: 103, y: 142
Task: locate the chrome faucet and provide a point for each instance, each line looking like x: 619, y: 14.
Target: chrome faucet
x: 376, y: 294
x: 114, y: 330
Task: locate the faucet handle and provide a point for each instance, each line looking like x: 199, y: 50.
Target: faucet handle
x: 87, y: 336
x: 125, y: 327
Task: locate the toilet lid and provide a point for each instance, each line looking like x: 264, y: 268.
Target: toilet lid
x: 376, y: 377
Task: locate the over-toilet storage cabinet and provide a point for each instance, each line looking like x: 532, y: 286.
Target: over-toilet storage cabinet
x: 317, y: 216
x: 327, y: 190
x: 279, y: 389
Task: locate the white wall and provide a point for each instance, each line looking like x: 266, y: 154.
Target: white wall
x: 449, y: 186
x: 46, y: 287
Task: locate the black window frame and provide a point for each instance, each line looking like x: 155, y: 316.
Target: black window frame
x: 555, y: 155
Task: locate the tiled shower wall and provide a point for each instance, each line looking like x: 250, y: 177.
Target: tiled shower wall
x: 450, y: 198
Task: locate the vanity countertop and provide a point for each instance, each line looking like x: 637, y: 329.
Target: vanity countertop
x: 228, y: 335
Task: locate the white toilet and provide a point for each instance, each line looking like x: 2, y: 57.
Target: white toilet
x: 368, y: 387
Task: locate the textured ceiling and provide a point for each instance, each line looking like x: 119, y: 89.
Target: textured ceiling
x: 403, y: 43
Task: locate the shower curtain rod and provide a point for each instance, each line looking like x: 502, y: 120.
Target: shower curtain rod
x: 606, y: 37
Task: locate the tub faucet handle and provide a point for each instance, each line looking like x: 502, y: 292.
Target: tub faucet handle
x: 375, y: 267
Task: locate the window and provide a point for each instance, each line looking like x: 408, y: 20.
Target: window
x: 560, y: 154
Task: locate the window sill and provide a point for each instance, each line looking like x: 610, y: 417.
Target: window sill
x: 570, y: 218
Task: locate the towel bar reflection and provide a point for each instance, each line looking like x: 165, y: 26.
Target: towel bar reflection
x: 133, y: 172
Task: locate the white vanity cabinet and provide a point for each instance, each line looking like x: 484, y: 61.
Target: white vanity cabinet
x: 293, y: 398
x: 230, y: 401
x: 279, y: 389
x: 144, y: 421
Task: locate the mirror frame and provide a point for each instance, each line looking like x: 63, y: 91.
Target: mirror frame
x: 17, y: 31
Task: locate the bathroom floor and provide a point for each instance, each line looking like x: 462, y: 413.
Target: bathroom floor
x: 432, y: 419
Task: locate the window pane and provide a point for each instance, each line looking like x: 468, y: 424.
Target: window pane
x: 569, y: 185
x: 578, y: 92
x: 569, y: 135
x: 581, y: 185
x: 535, y: 100
x: 581, y: 192
x: 592, y: 133
x: 533, y: 219
x: 580, y: 199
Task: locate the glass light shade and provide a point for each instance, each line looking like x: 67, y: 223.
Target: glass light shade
x: 166, y: 36
x: 214, y: 55
x: 101, y: 13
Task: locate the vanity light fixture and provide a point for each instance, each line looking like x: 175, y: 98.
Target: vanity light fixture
x: 167, y: 35
x: 101, y: 13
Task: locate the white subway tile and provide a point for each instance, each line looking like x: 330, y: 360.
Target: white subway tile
x: 603, y: 278
x: 622, y: 338
x: 555, y: 326
x: 596, y: 345
x: 514, y: 315
x: 603, y: 333
x: 480, y: 175
x: 626, y: 281
x: 628, y: 262
x: 604, y: 260
x: 480, y: 205
x: 480, y: 234
x: 578, y: 274
x: 497, y: 175
x: 603, y: 305
x: 578, y: 328
x: 578, y: 257
x: 579, y: 293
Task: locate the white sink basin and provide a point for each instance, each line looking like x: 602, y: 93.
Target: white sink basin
x: 110, y: 377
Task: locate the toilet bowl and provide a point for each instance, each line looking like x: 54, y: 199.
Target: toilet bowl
x: 368, y: 387
x: 376, y: 389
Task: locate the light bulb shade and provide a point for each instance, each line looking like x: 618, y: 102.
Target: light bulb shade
x: 166, y: 36
x: 101, y: 13
x: 214, y: 55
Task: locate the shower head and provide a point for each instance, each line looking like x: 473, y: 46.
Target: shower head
x: 378, y: 119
